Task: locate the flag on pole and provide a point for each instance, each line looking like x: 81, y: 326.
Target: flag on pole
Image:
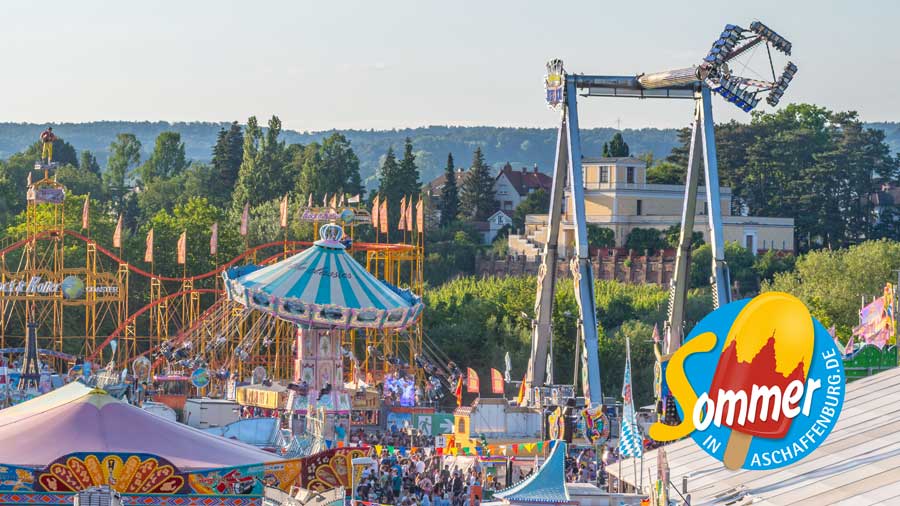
x: 86, y: 213
x: 383, y: 217
x: 375, y: 209
x: 521, y: 396
x: 325, y: 200
x: 284, y: 211
x: 473, y: 386
x: 334, y: 201
x: 507, y: 368
x: 354, y: 199
x: 214, y: 239
x: 420, y: 216
x: 409, y: 215
x: 849, y: 349
x: 459, y: 390
x: 182, y: 248
x: 341, y: 203
x: 117, y: 234
x: 148, y: 253
x: 631, y: 443
x: 245, y: 219
x: 29, y: 178
x: 309, y: 201
x: 656, y: 333
x: 402, y: 224
x: 496, y: 382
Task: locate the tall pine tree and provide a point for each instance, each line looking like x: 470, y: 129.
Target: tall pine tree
x: 391, y: 187
x: 477, y: 196
x: 449, y: 204
x: 228, y: 154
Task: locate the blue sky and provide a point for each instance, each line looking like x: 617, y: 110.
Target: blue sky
x: 385, y: 64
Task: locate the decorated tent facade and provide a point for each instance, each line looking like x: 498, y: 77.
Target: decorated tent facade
x: 546, y: 486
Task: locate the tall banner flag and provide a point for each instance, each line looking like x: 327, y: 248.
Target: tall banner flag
x: 401, y: 225
x: 375, y: 208
x: 117, y: 234
x: 354, y: 199
x: 182, y: 248
x: 341, y: 203
x: 29, y: 179
x: 214, y: 239
x: 245, y: 219
x: 148, y: 253
x: 496, y: 382
x: 458, y: 392
x: 521, y: 396
x: 334, y: 201
x: 325, y: 200
x: 309, y: 201
x: 420, y: 216
x: 656, y: 333
x: 507, y: 368
x: 631, y: 443
x: 409, y: 215
x: 383, y: 216
x: 473, y: 385
x: 284, y: 211
x: 86, y: 213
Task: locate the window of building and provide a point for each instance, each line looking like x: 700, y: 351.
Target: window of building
x: 748, y: 242
x: 604, y: 174
x: 629, y: 175
x: 640, y: 207
x: 507, y: 205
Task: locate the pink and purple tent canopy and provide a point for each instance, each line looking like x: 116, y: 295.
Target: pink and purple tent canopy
x: 76, y: 418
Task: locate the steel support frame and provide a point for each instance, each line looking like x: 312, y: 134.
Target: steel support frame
x: 703, y: 148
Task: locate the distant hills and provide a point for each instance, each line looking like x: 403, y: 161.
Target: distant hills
x: 522, y: 147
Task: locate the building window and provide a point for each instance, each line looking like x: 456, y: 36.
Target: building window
x: 629, y: 175
x: 640, y: 207
x: 748, y: 242
x: 604, y: 174
x: 507, y: 205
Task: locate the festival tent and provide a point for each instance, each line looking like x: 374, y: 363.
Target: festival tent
x: 546, y: 486
x: 323, y: 287
x: 77, y: 418
x: 856, y: 464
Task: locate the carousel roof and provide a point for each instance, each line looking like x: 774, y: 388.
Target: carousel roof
x: 323, y: 286
x: 77, y: 418
x: 546, y: 486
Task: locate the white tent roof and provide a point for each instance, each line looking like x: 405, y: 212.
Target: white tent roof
x: 858, y: 464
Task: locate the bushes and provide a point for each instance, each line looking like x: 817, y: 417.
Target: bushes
x: 645, y: 239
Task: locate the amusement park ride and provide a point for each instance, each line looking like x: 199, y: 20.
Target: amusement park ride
x: 77, y: 300
x: 715, y: 74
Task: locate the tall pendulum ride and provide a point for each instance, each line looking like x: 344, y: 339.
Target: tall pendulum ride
x: 713, y: 75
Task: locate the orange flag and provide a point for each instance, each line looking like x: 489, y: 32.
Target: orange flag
x: 402, y: 224
x: 182, y: 248
x: 284, y: 211
x: 521, y: 396
x: 375, y: 208
x: 148, y: 253
x: 496, y: 382
x: 86, y: 213
x: 409, y: 215
x: 245, y: 219
x: 117, y: 234
x: 420, y: 216
x: 473, y: 386
x: 383, y: 217
x: 214, y: 239
x: 458, y: 393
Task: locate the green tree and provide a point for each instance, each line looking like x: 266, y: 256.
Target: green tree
x: 537, y: 202
x: 330, y: 168
x: 80, y: 182
x: 124, y: 155
x: 166, y: 161
x: 261, y: 175
x: 741, y: 267
x: 772, y: 262
x: 409, y: 171
x: 89, y: 163
x: 390, y: 187
x: 227, y: 155
x: 600, y: 237
x: 645, y: 239
x: 673, y: 234
x: 449, y: 204
x: 666, y: 173
x: 477, y: 200
x: 617, y: 147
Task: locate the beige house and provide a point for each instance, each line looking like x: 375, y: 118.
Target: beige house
x: 617, y: 196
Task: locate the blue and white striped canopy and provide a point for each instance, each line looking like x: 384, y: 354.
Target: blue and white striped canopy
x: 323, y: 287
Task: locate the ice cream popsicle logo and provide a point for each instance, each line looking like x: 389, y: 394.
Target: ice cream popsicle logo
x: 759, y: 383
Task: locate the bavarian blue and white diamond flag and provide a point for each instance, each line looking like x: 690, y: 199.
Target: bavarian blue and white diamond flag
x: 631, y: 442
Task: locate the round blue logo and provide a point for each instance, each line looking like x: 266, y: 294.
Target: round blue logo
x: 72, y: 287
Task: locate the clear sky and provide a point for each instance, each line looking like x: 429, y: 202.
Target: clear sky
x: 384, y: 64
